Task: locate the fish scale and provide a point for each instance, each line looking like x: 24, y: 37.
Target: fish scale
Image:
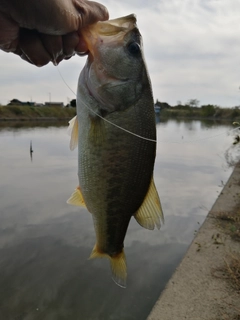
x: 115, y: 167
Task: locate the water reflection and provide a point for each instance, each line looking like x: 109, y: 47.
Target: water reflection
x: 45, y: 244
x: 51, y: 278
x: 31, y: 151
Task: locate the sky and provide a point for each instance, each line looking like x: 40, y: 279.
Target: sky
x: 192, y: 51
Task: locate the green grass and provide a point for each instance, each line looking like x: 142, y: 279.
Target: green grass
x: 206, y: 111
x: 181, y: 111
x: 30, y: 112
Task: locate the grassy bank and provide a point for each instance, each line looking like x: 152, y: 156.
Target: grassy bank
x: 181, y: 111
x: 33, y: 113
x: 207, y: 111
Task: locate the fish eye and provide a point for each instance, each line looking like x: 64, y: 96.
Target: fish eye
x: 133, y: 48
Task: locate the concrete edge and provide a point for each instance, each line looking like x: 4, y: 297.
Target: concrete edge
x: 193, y: 292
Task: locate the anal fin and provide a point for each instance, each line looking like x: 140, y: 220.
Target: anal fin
x: 76, y: 198
x: 150, y: 213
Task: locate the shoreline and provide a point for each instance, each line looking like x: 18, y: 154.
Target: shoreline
x: 63, y: 118
x: 193, y: 292
x: 35, y: 119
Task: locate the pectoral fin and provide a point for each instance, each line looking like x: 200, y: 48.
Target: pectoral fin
x: 76, y: 198
x: 150, y: 213
x: 118, y: 265
x: 73, y: 131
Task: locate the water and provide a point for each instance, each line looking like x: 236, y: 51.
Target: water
x: 45, y: 243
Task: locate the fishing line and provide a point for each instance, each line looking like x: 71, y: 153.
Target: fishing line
x: 113, y: 124
x: 65, y: 81
x: 136, y: 135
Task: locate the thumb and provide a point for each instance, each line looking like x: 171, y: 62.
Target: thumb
x: 90, y: 12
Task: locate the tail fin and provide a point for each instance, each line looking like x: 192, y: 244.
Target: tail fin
x: 118, y: 265
x: 119, y: 269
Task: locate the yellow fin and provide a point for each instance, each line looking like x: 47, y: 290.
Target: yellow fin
x: 73, y: 131
x: 97, y: 131
x: 150, y: 213
x: 118, y: 265
x: 76, y: 198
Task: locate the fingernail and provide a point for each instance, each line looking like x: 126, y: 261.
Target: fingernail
x: 81, y: 54
x: 58, y: 60
x: 55, y: 63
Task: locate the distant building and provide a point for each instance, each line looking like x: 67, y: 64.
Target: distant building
x: 158, y: 106
x: 16, y: 102
x: 162, y: 105
x: 54, y: 104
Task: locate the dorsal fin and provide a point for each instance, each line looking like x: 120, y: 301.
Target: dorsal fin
x: 150, y: 213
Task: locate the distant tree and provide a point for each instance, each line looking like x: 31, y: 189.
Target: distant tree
x: 208, y: 110
x: 194, y: 103
x: 73, y: 103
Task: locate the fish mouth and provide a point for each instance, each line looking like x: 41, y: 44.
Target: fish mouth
x: 102, y: 82
x: 103, y: 31
x: 100, y: 34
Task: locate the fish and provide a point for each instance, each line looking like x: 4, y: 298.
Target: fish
x: 115, y: 132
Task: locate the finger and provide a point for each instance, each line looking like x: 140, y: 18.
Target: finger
x: 25, y: 58
x: 19, y: 52
x: 69, y: 43
x: 90, y: 12
x: 33, y: 48
x: 53, y: 45
x: 81, y: 47
x: 8, y: 34
x: 101, y: 11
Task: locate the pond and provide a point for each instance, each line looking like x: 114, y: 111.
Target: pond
x: 45, y: 243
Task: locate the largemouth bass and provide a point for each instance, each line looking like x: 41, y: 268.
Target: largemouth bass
x: 116, y: 136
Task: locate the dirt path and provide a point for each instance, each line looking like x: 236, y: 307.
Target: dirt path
x: 206, y: 284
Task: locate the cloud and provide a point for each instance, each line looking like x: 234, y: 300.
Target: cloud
x: 25, y: 82
x: 191, y: 47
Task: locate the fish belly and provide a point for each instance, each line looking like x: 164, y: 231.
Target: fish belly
x: 115, y: 170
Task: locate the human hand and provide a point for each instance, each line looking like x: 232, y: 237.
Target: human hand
x: 40, y: 31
